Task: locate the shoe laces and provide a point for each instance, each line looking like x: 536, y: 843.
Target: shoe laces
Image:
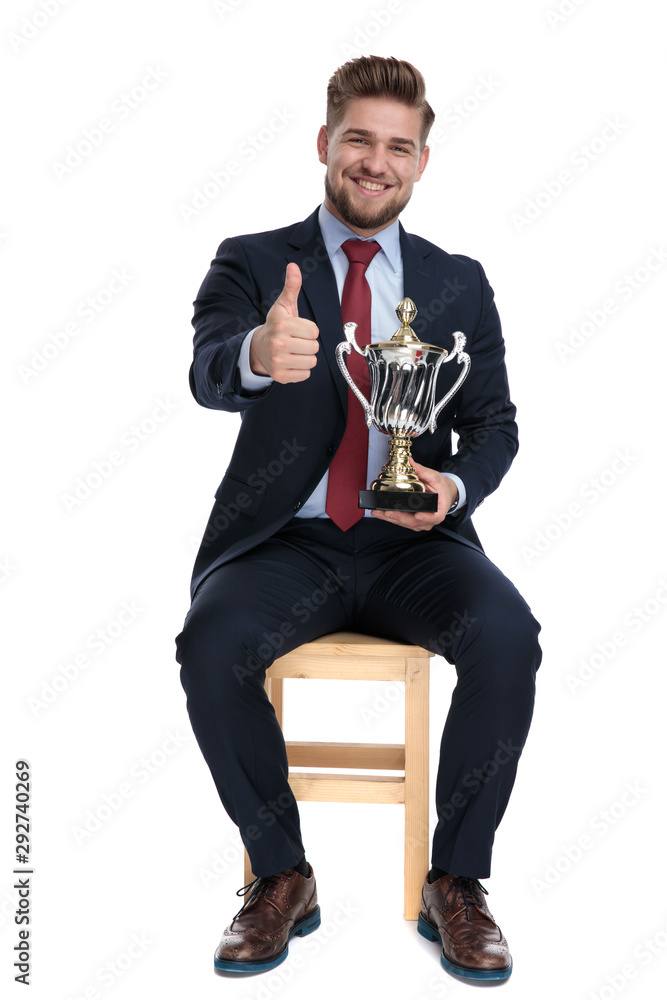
x: 468, y: 890
x: 263, y: 885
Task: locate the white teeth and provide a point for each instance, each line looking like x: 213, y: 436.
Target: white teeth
x: 370, y: 186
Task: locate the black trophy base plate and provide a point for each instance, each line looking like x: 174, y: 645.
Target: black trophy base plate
x: 409, y: 503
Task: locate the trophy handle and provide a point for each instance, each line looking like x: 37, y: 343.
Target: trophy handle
x: 462, y: 358
x: 345, y: 347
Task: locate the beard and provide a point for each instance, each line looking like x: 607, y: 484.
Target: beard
x: 369, y: 218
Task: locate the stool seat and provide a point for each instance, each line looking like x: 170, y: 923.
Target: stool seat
x: 355, y: 656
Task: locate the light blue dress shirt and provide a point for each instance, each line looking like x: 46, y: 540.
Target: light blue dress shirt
x: 385, y: 278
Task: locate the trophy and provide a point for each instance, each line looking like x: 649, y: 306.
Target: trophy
x: 403, y: 374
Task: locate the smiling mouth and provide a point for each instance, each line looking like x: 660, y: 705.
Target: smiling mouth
x: 370, y: 185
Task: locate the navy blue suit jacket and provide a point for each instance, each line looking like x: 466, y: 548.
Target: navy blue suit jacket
x: 289, y: 433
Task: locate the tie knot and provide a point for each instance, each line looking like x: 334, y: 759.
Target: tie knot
x: 360, y: 251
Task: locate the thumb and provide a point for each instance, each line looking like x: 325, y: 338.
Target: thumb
x: 288, y: 298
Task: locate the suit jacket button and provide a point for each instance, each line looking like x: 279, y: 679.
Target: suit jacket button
x: 331, y: 449
x: 298, y: 505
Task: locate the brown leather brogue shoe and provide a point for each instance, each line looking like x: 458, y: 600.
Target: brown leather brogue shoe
x: 277, y: 907
x: 454, y: 912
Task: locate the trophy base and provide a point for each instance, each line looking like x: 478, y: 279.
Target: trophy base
x: 410, y: 503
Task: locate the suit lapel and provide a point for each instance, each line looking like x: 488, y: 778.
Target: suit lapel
x: 419, y: 276
x: 320, y: 291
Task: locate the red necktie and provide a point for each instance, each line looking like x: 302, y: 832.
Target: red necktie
x: 347, y: 472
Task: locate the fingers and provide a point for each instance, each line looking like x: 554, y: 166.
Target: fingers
x: 293, y: 367
x: 301, y: 340
x: 416, y: 522
x: 292, y: 349
x: 430, y: 477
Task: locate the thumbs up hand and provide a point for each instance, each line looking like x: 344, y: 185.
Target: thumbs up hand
x: 285, y: 346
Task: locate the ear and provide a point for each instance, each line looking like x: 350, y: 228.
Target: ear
x: 322, y: 144
x: 423, y: 160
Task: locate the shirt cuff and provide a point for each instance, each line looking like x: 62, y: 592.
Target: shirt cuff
x: 462, y: 492
x: 249, y: 380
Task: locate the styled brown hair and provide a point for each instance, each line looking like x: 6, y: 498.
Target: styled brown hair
x: 378, y: 76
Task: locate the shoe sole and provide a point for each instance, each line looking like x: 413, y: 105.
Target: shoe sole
x: 302, y: 927
x: 430, y: 932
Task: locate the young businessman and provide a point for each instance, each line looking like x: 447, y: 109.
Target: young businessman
x: 285, y: 522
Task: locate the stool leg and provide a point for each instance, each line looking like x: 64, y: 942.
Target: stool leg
x: 416, y: 783
x: 275, y: 692
x: 247, y: 869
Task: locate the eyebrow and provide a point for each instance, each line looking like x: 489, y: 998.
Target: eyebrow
x: 371, y: 135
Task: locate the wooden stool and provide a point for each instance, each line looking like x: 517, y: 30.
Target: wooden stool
x: 350, y: 656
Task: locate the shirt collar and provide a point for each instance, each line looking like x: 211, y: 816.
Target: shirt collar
x: 335, y: 232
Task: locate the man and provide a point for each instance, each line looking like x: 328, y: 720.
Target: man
x: 286, y: 522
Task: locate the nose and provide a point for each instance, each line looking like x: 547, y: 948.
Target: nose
x: 375, y: 161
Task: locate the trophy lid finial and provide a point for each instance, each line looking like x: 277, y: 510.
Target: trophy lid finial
x: 406, y: 311
x: 406, y: 337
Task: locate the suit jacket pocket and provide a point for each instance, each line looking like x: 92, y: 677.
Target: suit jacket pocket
x: 239, y: 497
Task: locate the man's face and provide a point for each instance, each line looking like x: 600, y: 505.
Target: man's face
x: 373, y: 159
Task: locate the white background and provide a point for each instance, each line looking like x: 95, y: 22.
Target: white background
x: 537, y: 91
